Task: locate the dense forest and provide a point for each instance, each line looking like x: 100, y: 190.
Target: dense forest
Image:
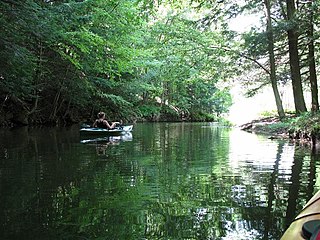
x: 62, y: 61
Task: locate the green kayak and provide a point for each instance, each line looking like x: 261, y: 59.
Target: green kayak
x: 106, y: 132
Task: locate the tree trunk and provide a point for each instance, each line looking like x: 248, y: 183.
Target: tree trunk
x: 311, y: 61
x: 272, y: 61
x: 55, y: 105
x: 299, y: 102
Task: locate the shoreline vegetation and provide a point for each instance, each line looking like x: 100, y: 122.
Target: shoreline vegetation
x: 302, y: 129
x: 64, y: 61
x: 22, y: 118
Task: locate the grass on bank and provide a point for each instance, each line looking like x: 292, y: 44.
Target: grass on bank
x: 308, y: 122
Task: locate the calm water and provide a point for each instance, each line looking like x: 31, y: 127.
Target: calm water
x: 165, y: 181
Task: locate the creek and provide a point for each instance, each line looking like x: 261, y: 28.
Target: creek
x: 162, y: 181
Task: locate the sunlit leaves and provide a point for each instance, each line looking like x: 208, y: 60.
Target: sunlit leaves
x: 186, y: 65
x: 111, y: 53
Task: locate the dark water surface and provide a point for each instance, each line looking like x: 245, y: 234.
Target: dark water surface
x: 165, y: 181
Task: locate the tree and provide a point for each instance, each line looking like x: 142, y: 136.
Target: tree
x: 183, y: 70
x: 272, y: 60
x: 292, y: 32
x: 60, y: 57
x: 311, y: 59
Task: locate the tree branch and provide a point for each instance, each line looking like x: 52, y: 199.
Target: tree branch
x: 242, y: 55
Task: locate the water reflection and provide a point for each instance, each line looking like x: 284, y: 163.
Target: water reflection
x: 112, y: 139
x: 165, y: 181
x: 102, y: 143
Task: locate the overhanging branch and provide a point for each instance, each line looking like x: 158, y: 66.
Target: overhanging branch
x: 242, y: 55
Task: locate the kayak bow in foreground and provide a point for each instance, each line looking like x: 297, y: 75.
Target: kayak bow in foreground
x: 307, y: 224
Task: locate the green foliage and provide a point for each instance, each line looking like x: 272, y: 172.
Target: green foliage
x: 256, y: 43
x: 186, y: 70
x: 225, y: 122
x: 68, y: 59
x: 307, y: 122
x: 18, y: 59
x: 279, y: 127
x: 64, y: 58
x: 149, y: 111
x: 272, y: 113
x: 202, y: 116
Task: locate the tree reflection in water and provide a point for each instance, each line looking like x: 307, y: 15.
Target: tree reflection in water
x: 170, y: 181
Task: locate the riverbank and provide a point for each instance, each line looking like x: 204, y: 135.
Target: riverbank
x: 19, y: 116
x: 271, y: 126
x: 304, y: 128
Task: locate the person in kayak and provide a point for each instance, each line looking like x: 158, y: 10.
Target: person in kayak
x: 101, y: 122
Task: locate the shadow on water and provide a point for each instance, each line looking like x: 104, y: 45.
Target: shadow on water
x: 102, y: 144
x: 164, y: 181
x: 303, y: 181
x: 271, y: 195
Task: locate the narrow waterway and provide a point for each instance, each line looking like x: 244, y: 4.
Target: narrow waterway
x: 163, y: 181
